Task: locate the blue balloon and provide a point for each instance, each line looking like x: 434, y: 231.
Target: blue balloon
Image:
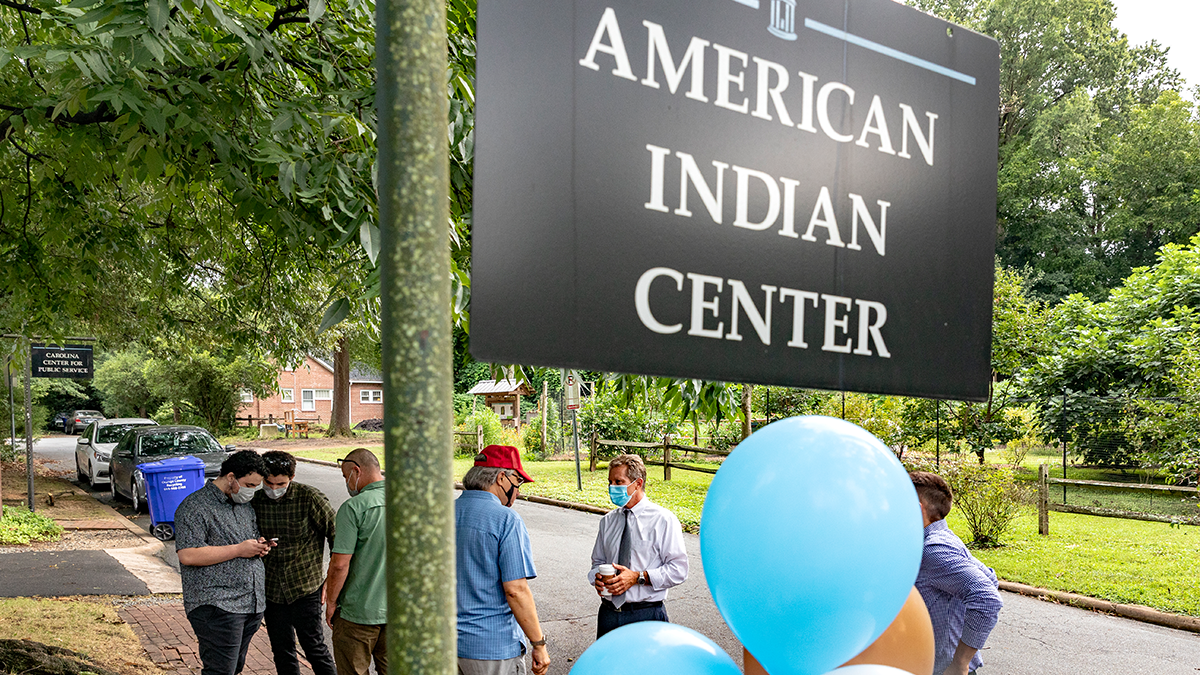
x: 811, y: 539
x: 871, y: 669
x: 655, y: 647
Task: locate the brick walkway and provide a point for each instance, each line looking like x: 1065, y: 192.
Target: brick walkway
x: 167, y: 637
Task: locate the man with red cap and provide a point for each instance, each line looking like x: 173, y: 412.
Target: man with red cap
x: 497, y: 619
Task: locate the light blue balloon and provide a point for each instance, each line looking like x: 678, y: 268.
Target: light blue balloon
x: 657, y: 648
x: 811, y: 539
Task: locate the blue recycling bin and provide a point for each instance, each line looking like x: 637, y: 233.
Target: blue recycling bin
x: 167, y: 483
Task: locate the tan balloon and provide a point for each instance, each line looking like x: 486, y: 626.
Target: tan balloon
x: 907, y: 644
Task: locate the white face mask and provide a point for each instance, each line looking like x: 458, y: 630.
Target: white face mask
x: 276, y: 493
x: 243, y: 494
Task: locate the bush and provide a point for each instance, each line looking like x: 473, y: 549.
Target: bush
x: 726, y: 435
x: 988, y: 497
x: 531, y: 436
x: 493, y: 432
x: 463, y: 403
x: 19, y: 526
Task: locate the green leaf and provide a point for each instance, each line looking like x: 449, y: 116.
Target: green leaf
x: 368, y: 235
x: 155, y: 48
x: 154, y: 163
x: 282, y: 123
x: 155, y: 120
x: 157, y: 13
x: 335, y: 314
x: 5, y: 56
x: 316, y: 10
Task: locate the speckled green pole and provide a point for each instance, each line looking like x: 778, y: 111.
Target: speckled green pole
x: 418, y: 411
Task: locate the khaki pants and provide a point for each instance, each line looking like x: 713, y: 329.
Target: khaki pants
x: 355, y: 644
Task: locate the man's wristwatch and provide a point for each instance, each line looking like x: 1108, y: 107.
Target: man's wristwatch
x: 539, y: 643
x: 644, y: 579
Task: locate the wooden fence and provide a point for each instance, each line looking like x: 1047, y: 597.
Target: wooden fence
x: 665, y: 445
x: 1045, y: 506
x: 477, y: 434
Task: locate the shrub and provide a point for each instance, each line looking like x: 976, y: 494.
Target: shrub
x: 463, y: 403
x: 493, y: 431
x: 19, y: 526
x: 726, y: 435
x: 531, y: 436
x: 988, y: 497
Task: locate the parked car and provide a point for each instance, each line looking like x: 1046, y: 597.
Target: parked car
x: 79, y: 419
x: 151, y: 444
x: 95, y: 446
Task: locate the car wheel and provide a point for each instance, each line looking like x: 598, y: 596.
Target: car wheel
x: 112, y: 487
x: 133, y: 497
x: 79, y: 475
x: 91, y: 475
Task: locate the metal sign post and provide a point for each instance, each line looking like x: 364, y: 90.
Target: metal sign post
x: 572, y: 396
x: 29, y: 422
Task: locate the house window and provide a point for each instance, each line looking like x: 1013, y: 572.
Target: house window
x: 247, y: 396
x: 307, y: 402
x: 287, y: 395
x: 323, y: 394
x: 370, y: 396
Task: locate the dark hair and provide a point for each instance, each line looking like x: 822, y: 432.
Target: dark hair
x: 934, y: 492
x: 279, y: 463
x: 243, y: 463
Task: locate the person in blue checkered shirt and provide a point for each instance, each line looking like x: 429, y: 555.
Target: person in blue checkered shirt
x: 960, y: 592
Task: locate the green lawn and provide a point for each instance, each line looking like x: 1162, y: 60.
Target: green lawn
x: 1127, y: 561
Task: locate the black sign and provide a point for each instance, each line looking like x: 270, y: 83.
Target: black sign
x: 72, y: 361
x: 775, y: 191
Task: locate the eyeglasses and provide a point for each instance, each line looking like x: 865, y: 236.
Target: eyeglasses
x: 340, y: 462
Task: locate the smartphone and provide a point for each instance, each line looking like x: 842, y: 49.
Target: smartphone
x: 275, y: 540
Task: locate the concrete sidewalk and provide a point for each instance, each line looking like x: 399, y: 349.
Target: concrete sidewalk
x: 166, y: 635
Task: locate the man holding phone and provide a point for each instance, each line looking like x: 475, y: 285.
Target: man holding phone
x: 299, y: 519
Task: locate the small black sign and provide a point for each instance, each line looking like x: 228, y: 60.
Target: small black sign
x: 794, y: 192
x: 71, y: 361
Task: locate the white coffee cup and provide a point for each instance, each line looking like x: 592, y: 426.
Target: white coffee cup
x: 607, y: 572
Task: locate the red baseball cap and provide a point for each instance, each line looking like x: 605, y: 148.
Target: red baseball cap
x: 502, y: 457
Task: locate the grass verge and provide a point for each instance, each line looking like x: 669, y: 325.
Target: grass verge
x: 1125, y: 561
x: 88, y: 626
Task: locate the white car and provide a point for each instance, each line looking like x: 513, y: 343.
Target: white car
x: 95, y: 446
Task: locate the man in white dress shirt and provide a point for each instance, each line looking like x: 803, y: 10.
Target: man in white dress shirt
x: 644, y: 542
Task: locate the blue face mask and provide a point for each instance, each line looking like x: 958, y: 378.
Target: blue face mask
x: 619, y: 494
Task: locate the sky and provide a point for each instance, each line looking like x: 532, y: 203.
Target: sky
x: 1173, y: 23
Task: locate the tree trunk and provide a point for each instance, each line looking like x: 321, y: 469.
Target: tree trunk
x: 339, y: 419
x: 747, y: 390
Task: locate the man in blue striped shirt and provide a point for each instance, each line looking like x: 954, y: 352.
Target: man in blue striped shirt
x: 959, y: 591
x: 496, y: 614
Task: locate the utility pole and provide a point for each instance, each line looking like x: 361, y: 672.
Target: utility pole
x: 413, y: 179
x: 29, y: 420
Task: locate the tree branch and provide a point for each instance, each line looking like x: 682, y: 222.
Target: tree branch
x: 20, y: 7
x: 284, y: 15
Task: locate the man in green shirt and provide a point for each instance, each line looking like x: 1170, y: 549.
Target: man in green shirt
x: 358, y: 570
x: 299, y: 518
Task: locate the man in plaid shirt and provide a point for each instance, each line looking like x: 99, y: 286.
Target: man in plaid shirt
x: 959, y: 591
x: 301, y: 518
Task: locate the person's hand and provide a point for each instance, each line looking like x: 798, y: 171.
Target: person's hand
x: 541, y: 660
x: 252, y: 548
x: 330, y: 610
x: 623, y: 581
x: 599, y: 584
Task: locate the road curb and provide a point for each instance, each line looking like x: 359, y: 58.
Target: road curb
x: 1135, y: 612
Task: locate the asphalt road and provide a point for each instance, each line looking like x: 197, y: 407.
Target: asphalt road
x: 1032, y: 638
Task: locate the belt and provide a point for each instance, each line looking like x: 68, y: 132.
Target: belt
x: 632, y: 605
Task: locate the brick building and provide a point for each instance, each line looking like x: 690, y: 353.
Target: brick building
x: 307, y: 389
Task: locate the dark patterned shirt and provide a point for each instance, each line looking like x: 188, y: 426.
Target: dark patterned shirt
x: 303, y: 520
x: 208, y: 517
